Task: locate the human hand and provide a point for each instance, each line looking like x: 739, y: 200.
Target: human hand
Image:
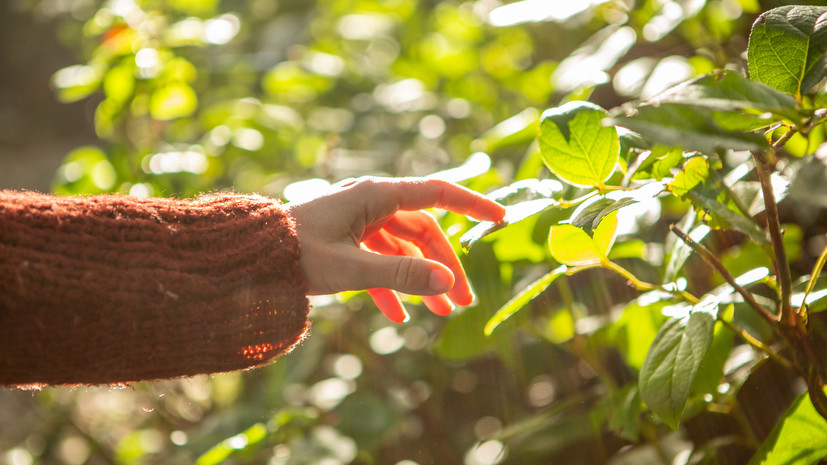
x: 371, y: 234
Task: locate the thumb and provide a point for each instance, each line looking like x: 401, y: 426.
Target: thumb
x: 411, y: 275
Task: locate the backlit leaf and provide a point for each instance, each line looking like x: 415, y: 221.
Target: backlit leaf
x: 799, y: 438
x: 571, y: 245
x: 173, y: 101
x: 787, y: 48
x: 522, y: 199
x: 694, y: 172
x: 576, y: 146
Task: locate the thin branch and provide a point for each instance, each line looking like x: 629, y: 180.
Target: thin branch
x: 782, y: 265
x: 713, y: 261
x: 751, y: 340
x: 822, y: 259
x: 644, y: 286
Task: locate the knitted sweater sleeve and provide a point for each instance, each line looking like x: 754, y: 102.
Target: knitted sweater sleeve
x: 111, y: 289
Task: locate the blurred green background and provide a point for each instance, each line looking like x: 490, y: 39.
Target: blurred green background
x: 179, y: 97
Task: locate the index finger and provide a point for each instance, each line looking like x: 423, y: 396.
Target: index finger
x: 418, y: 193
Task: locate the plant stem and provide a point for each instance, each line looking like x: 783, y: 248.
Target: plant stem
x: 783, y: 139
x: 755, y: 343
x: 713, y: 261
x: 577, y: 201
x: 822, y: 259
x: 644, y: 286
x: 782, y: 265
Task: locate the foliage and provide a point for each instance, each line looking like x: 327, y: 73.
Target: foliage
x: 661, y: 251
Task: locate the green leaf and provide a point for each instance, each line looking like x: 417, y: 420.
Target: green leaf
x: 729, y: 91
x: 799, y: 438
x: 724, y: 218
x: 76, y: 82
x: 673, y: 361
x: 623, y: 410
x: 630, y: 140
x: 576, y: 146
x: 694, y: 172
x: 519, y: 129
x: 678, y: 250
x: 513, y: 214
x: 524, y: 297
x: 711, y: 370
x: 463, y: 337
x: 173, y: 101
x: 787, y: 48
x: 656, y: 163
x: 571, y: 245
x: 246, y: 439
x: 690, y: 127
x: 475, y: 165
x: 591, y: 216
x: 809, y: 178
x: 630, y: 248
x: 636, y: 328
x: 522, y: 199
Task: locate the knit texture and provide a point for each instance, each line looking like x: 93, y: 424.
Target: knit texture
x: 112, y: 289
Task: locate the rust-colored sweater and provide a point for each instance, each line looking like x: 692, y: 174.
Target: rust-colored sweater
x: 112, y: 289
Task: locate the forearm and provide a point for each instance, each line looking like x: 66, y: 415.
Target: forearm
x: 114, y: 289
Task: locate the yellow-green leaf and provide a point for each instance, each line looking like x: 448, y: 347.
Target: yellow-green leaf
x: 571, y: 245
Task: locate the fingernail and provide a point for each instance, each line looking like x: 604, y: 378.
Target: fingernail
x: 441, y: 280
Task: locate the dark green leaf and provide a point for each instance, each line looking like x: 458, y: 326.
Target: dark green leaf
x: 729, y: 91
x: 630, y: 140
x: 692, y: 128
x: 724, y: 218
x: 808, y: 181
x: 576, y: 146
x: 590, y: 217
x: 711, y: 370
x: 673, y: 361
x: 624, y: 412
x: 787, y: 48
x: 799, y: 438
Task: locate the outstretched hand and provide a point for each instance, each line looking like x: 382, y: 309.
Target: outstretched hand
x: 371, y: 234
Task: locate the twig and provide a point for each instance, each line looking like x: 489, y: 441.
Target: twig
x: 822, y: 259
x: 644, y: 286
x: 751, y: 340
x: 782, y: 265
x: 713, y: 261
